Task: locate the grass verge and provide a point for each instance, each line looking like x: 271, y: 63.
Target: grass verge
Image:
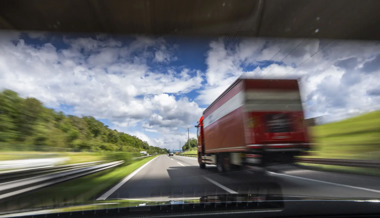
x: 190, y: 152
x: 354, y: 138
x: 343, y: 169
x: 79, y: 157
x: 16, y: 155
x: 78, y: 191
x: 73, y: 157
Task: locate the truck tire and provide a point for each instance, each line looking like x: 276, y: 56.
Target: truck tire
x: 227, y: 162
x: 223, y: 163
x: 201, y: 164
x: 219, y: 163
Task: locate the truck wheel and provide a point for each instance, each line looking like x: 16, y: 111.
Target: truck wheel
x: 223, y: 163
x: 219, y: 163
x: 227, y: 162
x: 201, y: 164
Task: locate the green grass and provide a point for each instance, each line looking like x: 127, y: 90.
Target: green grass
x: 73, y: 157
x: 79, y: 157
x: 16, y: 155
x: 354, y: 138
x: 194, y: 151
x: 78, y: 191
x: 344, y: 169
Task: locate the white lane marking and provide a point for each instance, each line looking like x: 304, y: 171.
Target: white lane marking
x: 117, y: 186
x: 330, y: 183
x: 221, y: 186
x: 192, y: 158
x: 180, y: 163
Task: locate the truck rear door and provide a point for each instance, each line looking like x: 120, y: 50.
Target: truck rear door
x: 277, y: 116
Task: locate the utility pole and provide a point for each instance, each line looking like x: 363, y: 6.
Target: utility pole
x: 188, y: 138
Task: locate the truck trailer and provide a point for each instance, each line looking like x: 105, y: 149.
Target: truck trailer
x: 257, y: 122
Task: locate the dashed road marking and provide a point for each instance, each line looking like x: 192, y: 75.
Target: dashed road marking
x: 113, y: 189
x: 192, y: 158
x: 221, y: 186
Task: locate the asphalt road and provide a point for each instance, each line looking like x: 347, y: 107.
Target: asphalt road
x: 177, y: 177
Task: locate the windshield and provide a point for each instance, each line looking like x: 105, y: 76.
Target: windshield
x: 112, y: 120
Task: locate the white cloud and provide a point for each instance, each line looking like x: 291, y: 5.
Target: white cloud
x: 172, y: 114
x: 210, y: 93
x: 142, y: 136
x: 173, y: 141
x: 221, y: 63
x: 105, y: 78
x: 335, y: 76
x: 134, y: 85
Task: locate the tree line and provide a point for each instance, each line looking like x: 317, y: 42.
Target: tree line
x: 25, y: 124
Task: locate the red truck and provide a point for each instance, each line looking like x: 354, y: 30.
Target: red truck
x: 254, y: 122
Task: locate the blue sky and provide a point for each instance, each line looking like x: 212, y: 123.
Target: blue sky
x: 157, y: 87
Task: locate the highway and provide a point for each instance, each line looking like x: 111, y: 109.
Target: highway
x: 179, y: 178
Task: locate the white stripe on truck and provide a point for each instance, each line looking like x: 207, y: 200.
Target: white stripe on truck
x: 232, y: 104
x: 257, y: 100
x: 272, y: 100
x: 223, y: 149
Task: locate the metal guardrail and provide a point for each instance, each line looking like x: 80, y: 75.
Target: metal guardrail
x: 342, y: 162
x: 10, y: 175
x: 15, y: 187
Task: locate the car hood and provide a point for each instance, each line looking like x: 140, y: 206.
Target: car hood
x: 265, y: 205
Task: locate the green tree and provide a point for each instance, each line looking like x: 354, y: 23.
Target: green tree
x: 9, y: 112
x: 26, y: 122
x: 190, y: 144
x: 30, y: 110
x: 8, y: 130
x: 94, y: 126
